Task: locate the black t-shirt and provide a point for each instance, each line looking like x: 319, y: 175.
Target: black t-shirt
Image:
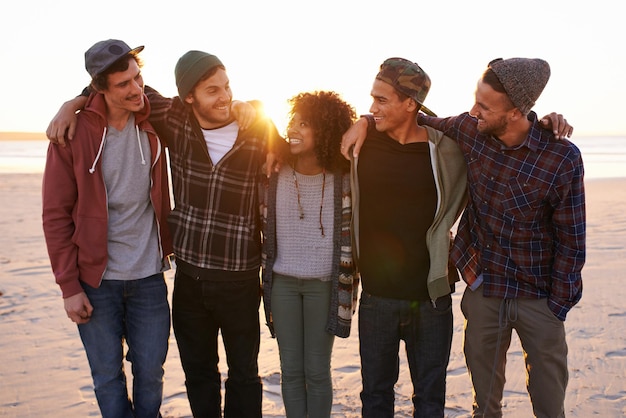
x: 398, y: 200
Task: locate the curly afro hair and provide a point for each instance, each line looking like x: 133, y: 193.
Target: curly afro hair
x: 329, y: 117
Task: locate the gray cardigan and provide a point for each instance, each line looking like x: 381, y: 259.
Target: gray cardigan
x: 345, y: 282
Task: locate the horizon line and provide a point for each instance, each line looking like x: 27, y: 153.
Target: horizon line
x: 34, y: 135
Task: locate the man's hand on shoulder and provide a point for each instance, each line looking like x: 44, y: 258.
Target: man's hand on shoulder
x: 558, y: 124
x: 244, y: 113
x: 65, y: 121
x: 353, y: 138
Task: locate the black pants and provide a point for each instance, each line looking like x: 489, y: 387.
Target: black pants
x: 205, y: 303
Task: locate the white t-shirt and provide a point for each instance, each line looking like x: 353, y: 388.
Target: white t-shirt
x: 219, y: 141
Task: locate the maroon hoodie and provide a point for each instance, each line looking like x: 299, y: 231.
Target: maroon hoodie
x: 74, y: 206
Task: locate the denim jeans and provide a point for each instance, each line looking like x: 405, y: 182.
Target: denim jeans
x: 201, y: 309
x: 135, y: 311
x: 427, y: 334
x: 300, y: 312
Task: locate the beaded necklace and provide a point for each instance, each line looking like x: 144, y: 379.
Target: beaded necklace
x: 295, y: 180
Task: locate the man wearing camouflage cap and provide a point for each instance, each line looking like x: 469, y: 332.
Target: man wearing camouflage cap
x: 409, y: 189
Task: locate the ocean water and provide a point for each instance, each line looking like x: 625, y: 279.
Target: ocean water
x: 28, y: 156
x: 603, y: 156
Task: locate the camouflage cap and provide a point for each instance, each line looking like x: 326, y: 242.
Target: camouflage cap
x: 408, y: 78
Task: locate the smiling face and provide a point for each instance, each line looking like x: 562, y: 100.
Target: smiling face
x: 301, y: 137
x: 492, y: 109
x: 210, y: 100
x: 388, y: 109
x: 124, y: 92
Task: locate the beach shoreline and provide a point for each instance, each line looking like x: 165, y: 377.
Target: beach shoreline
x: 22, y: 136
x: 44, y: 370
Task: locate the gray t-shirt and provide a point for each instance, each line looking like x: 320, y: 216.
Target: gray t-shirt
x: 133, y: 244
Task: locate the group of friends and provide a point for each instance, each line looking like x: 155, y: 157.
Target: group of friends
x: 342, y: 204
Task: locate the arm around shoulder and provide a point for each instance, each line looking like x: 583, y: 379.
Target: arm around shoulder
x: 65, y: 121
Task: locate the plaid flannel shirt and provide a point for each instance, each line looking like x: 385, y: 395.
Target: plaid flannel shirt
x: 215, y: 222
x: 524, y: 226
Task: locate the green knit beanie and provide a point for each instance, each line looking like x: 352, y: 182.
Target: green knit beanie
x: 190, y: 68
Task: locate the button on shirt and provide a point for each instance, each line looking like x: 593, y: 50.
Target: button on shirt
x: 523, y: 232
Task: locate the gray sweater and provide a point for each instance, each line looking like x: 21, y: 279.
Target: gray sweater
x: 345, y: 282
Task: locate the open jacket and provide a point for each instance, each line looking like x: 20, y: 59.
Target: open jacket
x: 75, y: 212
x: 215, y: 222
x: 449, y: 170
x: 345, y: 282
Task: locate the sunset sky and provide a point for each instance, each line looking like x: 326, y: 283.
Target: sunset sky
x: 274, y: 49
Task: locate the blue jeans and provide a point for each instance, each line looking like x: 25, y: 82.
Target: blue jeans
x: 201, y: 310
x: 300, y: 312
x: 427, y: 334
x: 135, y: 311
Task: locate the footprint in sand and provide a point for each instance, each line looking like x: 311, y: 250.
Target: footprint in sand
x: 348, y: 369
x: 271, y: 384
x: 179, y: 394
x: 618, y: 353
x: 611, y: 397
x: 457, y: 371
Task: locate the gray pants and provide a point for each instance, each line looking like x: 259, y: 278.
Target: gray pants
x: 489, y: 323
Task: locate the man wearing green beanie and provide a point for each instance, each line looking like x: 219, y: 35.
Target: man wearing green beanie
x: 215, y: 171
x: 215, y: 167
x: 190, y: 68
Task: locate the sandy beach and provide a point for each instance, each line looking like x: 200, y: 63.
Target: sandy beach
x: 44, y: 371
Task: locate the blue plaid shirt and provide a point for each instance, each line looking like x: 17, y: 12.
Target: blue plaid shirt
x: 523, y: 231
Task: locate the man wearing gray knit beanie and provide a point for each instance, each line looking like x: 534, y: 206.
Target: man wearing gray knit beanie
x: 523, y: 79
x: 520, y: 244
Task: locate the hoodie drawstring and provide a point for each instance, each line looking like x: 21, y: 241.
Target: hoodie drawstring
x: 143, y: 160
x: 93, y: 166
x: 103, y: 140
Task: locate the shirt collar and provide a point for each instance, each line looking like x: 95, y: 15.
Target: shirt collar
x: 533, y: 139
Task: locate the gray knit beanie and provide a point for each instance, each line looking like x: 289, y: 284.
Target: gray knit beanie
x: 190, y: 68
x: 523, y: 79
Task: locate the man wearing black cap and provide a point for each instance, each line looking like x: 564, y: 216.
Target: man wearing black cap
x: 410, y: 187
x: 105, y: 208
x: 520, y: 245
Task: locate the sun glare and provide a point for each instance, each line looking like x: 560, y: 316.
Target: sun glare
x: 277, y: 112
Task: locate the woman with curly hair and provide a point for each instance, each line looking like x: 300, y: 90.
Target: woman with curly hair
x: 309, y: 281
